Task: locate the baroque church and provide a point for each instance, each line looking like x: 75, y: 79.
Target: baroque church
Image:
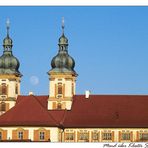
x: 62, y: 115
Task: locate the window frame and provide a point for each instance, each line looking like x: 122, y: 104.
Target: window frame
x: 97, y: 137
x: 69, y: 133
x: 84, y: 135
x: 142, y: 133
x: 20, y: 135
x: 107, y: 136
x: 1, y: 135
x: 2, y: 107
x: 59, y: 106
x: 41, y: 135
x: 3, y: 89
x: 60, y: 89
x: 125, y: 137
x: 16, y: 89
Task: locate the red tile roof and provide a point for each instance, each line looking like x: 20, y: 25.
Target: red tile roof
x: 28, y: 111
x: 97, y: 111
x: 108, y: 111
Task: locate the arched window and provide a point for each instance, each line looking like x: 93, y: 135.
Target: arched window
x: 4, y: 89
x: 16, y: 89
x: 59, y: 88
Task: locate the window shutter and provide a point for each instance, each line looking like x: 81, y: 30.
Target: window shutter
x: 131, y: 136
x: 113, y: 136
x: 92, y: 136
x: 25, y: 134
x: 54, y: 105
x: 14, y: 135
x: 4, y: 133
x: 47, y: 135
x: 74, y: 136
x: 137, y: 136
x: 63, y: 105
x: 36, y: 135
x: 119, y: 137
x: 7, y: 106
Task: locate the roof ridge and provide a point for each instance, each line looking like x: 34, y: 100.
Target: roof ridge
x: 63, y: 119
x: 38, y: 100
x: 46, y: 110
x: 17, y: 103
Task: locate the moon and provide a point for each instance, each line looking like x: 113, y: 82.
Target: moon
x: 34, y: 80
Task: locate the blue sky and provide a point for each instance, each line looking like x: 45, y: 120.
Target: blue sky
x: 109, y: 45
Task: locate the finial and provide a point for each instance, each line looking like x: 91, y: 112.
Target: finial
x: 63, y: 25
x: 8, y: 26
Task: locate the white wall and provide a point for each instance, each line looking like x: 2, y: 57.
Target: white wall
x: 54, y: 132
x: 115, y: 130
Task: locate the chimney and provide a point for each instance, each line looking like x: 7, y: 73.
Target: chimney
x: 30, y: 93
x: 87, y: 93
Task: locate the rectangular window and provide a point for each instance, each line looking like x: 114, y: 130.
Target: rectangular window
x: 143, y: 136
x: 125, y: 136
x: 3, y: 106
x: 107, y: 136
x: 20, y: 135
x: 84, y: 136
x: 0, y: 135
x: 95, y: 136
x: 42, y: 135
x: 69, y: 136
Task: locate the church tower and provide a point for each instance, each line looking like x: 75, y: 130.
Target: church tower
x: 9, y: 75
x: 62, y: 77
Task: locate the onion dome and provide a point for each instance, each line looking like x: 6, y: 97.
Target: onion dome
x: 9, y: 64
x: 63, y: 62
x: 63, y: 40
